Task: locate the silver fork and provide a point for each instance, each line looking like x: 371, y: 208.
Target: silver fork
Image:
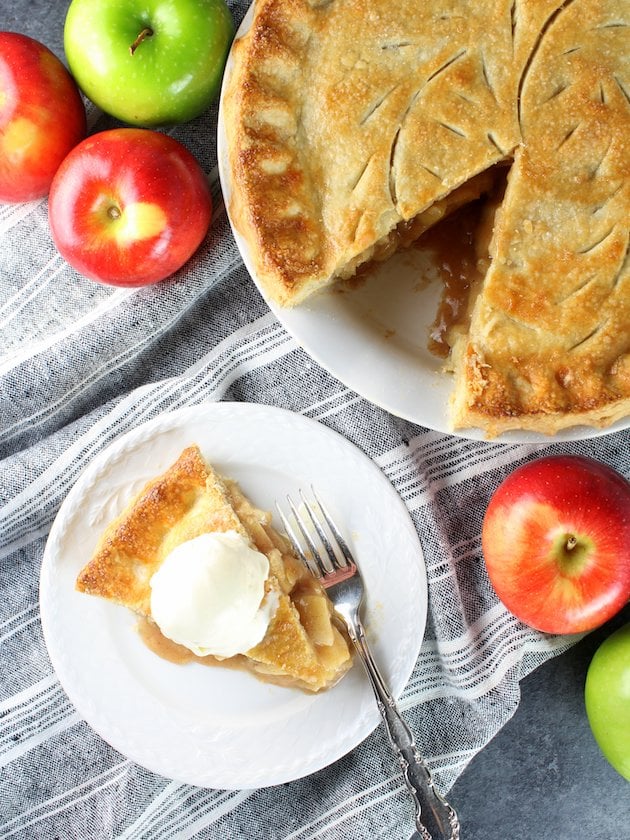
x: 340, y: 576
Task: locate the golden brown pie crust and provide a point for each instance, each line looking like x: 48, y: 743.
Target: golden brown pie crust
x: 303, y: 645
x: 347, y: 120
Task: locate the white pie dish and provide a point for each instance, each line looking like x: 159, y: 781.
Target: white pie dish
x: 373, y: 338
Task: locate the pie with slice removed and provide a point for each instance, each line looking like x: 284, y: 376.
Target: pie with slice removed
x: 355, y: 125
x: 303, y: 646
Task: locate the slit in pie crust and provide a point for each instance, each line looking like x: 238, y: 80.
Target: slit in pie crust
x: 303, y: 646
x: 353, y: 125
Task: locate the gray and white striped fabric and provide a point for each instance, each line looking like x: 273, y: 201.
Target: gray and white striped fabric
x: 80, y: 364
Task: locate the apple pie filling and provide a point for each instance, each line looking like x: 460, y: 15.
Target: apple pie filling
x: 408, y: 231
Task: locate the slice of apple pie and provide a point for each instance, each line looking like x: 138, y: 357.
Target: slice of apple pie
x: 354, y: 125
x: 301, y: 645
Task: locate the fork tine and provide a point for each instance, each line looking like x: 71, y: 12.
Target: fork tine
x: 317, y: 558
x: 343, y: 546
x: 330, y: 551
x: 295, y: 541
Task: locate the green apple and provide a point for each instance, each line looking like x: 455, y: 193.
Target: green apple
x: 149, y: 62
x: 607, y: 696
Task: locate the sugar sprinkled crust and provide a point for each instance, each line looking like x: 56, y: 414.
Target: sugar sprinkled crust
x: 549, y: 342
x: 180, y: 504
x: 345, y: 119
x: 349, y: 120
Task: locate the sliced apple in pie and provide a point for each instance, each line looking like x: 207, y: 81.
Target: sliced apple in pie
x: 302, y: 645
x: 355, y: 125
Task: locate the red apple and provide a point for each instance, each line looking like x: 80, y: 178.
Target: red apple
x: 556, y: 541
x: 129, y: 206
x: 42, y: 117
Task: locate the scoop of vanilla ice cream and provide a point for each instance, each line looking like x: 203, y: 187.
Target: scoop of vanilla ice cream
x: 209, y: 595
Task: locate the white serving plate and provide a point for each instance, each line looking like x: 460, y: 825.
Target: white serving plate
x: 217, y: 727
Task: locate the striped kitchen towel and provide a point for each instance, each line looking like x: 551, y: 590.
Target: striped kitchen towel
x: 81, y: 363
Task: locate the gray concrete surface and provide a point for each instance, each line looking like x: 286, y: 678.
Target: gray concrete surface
x: 543, y: 776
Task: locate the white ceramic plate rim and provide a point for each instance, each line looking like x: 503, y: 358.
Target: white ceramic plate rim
x: 373, y: 339
x: 215, y: 727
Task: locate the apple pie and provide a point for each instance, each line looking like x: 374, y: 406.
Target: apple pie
x: 303, y: 645
x: 353, y: 126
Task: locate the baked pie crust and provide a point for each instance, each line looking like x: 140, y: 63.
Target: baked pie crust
x: 354, y: 125
x: 303, y: 646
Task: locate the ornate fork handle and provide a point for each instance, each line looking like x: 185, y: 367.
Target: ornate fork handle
x: 435, y: 819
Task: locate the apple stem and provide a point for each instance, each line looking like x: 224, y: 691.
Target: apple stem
x: 145, y: 33
x: 113, y: 212
x: 571, y: 542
